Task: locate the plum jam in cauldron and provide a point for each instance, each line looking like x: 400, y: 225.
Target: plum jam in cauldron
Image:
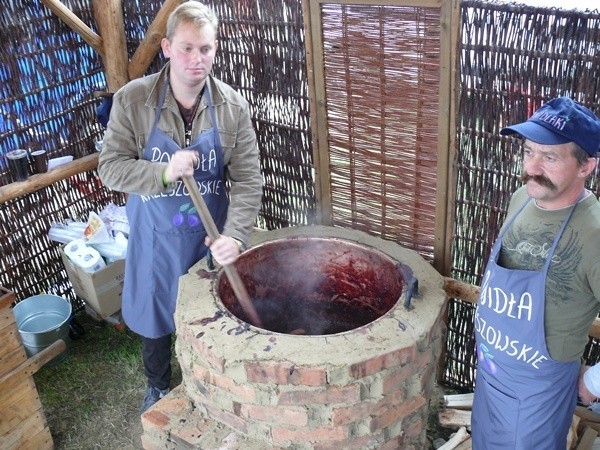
x: 314, y: 286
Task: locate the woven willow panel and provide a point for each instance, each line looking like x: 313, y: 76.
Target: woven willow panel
x: 261, y: 53
x: 382, y: 67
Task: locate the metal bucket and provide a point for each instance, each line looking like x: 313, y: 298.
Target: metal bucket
x: 41, y: 321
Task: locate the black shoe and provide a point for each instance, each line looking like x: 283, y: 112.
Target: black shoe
x: 153, y: 395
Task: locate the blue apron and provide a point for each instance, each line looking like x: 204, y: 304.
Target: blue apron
x: 166, y: 235
x: 523, y: 398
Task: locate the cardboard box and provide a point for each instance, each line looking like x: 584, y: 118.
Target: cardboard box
x: 102, y: 290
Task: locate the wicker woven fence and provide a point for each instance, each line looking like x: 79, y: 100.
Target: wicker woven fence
x: 512, y: 59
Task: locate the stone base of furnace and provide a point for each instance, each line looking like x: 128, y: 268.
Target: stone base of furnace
x: 173, y: 423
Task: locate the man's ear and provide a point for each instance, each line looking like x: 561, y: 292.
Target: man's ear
x: 165, y: 46
x: 588, y: 167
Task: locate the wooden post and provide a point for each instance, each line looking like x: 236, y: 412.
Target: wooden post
x: 149, y: 47
x: 111, y: 24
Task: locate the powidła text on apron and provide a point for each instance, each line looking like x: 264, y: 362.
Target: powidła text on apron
x: 205, y: 164
x: 507, y: 304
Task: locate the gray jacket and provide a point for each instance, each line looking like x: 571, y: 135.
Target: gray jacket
x: 122, y: 168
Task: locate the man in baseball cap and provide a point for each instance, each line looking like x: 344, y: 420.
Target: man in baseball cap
x: 541, y: 289
x: 559, y: 121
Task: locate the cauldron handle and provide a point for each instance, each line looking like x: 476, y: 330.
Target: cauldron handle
x: 213, y: 233
x: 411, y: 284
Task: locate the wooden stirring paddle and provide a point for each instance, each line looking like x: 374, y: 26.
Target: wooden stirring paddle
x: 213, y: 233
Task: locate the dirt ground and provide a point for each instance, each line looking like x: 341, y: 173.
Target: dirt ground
x: 91, y: 398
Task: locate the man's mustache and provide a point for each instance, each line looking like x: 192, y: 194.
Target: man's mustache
x: 539, y: 179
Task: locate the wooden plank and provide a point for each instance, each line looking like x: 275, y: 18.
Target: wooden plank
x: 7, y: 318
x: 459, y: 437
x: 445, y: 187
x: 19, y: 410
x: 587, y: 440
x: 11, y: 340
x: 12, y: 359
x: 14, y: 390
x: 592, y: 425
x: 572, y: 436
x: 6, y: 297
x: 455, y: 418
x: 34, y: 363
x: 459, y: 401
x: 315, y: 66
x: 466, y: 445
x: 17, y: 438
x: 586, y: 414
x: 24, y: 391
x: 39, y: 441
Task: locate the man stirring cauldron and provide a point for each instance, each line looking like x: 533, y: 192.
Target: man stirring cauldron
x: 178, y: 123
x: 541, y: 288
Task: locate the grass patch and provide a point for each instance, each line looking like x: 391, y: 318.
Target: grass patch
x: 91, y: 398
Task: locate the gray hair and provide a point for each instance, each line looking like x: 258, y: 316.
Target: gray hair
x: 580, y: 154
x: 191, y: 12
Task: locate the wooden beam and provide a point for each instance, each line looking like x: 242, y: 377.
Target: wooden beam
x: 455, y: 418
x: 33, y: 364
x: 459, y: 401
x: 150, y: 45
x: 587, y: 440
x: 67, y: 16
x: 458, y: 438
x: 315, y: 67
x: 36, y: 182
x: 461, y: 290
x: 111, y: 25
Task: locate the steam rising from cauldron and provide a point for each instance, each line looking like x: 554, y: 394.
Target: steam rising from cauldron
x: 315, y: 286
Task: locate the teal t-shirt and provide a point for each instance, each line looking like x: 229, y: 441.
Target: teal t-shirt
x: 573, y: 284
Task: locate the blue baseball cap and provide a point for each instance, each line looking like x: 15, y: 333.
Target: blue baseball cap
x: 559, y: 121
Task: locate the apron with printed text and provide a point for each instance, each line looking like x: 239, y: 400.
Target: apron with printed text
x: 524, y: 399
x: 166, y: 235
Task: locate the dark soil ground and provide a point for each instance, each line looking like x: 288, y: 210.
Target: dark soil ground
x: 91, y: 398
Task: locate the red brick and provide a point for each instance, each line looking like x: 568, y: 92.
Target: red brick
x: 397, y: 380
x: 346, y: 394
x: 281, y: 435
x: 189, y: 436
x: 309, y: 376
x: 353, y: 443
x: 243, y: 392
x: 428, y: 366
x: 412, y: 430
x: 354, y: 413
x: 227, y: 418
x: 202, y: 349
x: 394, y: 444
x: 387, y: 361
x: 276, y: 415
x: 391, y: 415
x: 278, y: 373
x: 285, y: 373
x: 154, y: 419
